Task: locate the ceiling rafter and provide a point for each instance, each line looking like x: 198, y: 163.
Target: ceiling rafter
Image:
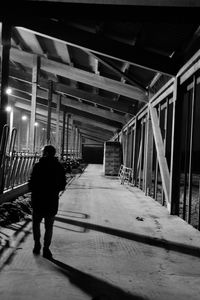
x: 93, y: 128
x: 96, y: 118
x: 97, y: 135
x: 26, y: 88
x: 94, y: 98
x: 22, y: 82
x: 71, y: 110
x: 96, y: 123
x: 93, y: 110
x: 105, y: 46
x: 91, y: 137
x: 109, y: 64
x: 66, y: 71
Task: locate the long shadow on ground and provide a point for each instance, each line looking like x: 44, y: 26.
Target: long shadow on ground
x: 97, y: 288
x: 153, y: 241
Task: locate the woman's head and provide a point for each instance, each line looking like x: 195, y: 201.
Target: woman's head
x: 49, y: 151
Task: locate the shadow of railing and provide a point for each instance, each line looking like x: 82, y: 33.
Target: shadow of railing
x: 82, y: 230
x: 153, y: 241
x: 97, y: 288
x: 72, y: 214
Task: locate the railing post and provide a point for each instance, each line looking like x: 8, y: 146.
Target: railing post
x: 58, y: 122
x: 50, y: 93
x: 67, y: 135
x: 135, y: 146
x: 33, y: 101
x: 175, y: 150
x: 63, y: 134
x: 149, y: 155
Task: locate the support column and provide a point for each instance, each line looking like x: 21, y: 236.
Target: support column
x: 77, y: 143
x: 135, y: 146
x: 132, y: 142
x: 74, y: 140
x: 58, y: 122
x: 148, y: 155
x: 191, y: 148
x: 80, y: 147
x: 50, y: 92
x: 67, y: 135
x: 175, y: 150
x: 71, y: 136
x: 35, y: 71
x: 5, y: 54
x: 27, y: 135
x: 63, y: 134
x: 126, y: 147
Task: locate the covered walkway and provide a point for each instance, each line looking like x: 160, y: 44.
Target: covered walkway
x: 110, y: 242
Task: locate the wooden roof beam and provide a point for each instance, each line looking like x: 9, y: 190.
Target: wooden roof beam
x: 104, y: 46
x: 89, y: 78
x: 24, y: 88
x: 125, y: 107
x: 93, y: 110
x: 95, y: 135
x: 105, y: 61
x: 93, y: 128
x: 95, y: 123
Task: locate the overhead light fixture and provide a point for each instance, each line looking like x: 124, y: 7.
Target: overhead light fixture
x: 8, y: 108
x: 24, y: 118
x: 8, y: 91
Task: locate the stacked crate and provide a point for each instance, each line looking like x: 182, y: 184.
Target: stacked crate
x: 112, y: 158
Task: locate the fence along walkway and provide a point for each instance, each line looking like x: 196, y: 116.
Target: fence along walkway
x: 14, y: 167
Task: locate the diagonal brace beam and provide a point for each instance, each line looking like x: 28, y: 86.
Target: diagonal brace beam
x: 164, y: 170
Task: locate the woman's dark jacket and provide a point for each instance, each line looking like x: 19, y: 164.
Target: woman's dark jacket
x: 46, y: 181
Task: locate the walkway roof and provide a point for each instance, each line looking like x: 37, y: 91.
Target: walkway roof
x: 104, y: 57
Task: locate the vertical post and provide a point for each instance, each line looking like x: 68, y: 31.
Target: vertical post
x: 11, y: 121
x: 74, y: 139
x: 71, y: 136
x: 175, y: 150
x: 63, y: 134
x: 81, y: 146
x: 123, y: 147
x: 191, y: 148
x: 33, y: 101
x: 141, y: 151
x: 78, y: 134
x: 67, y: 135
x: 77, y: 137
x: 5, y: 54
x: 149, y: 155
x: 135, y: 151
x: 131, y: 147
x: 50, y: 92
x: 58, y: 121
x: 144, y: 154
x: 126, y: 147
x: 27, y: 134
x: 165, y: 139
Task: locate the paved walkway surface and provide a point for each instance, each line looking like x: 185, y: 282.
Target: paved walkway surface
x: 110, y: 242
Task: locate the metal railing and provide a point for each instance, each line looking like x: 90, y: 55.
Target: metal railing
x: 15, y: 167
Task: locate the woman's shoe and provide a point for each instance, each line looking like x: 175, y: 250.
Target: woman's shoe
x: 36, y: 249
x: 47, y: 253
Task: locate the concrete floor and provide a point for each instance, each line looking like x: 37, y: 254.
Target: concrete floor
x: 110, y: 242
